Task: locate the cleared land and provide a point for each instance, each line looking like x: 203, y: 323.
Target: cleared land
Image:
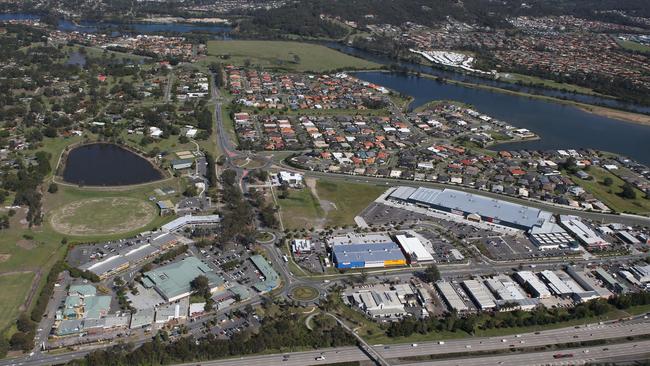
x: 347, y: 199
x: 300, y: 210
x: 293, y: 56
x: 102, y: 216
x: 15, y: 287
x: 610, y: 195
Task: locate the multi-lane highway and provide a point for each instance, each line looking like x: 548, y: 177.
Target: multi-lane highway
x: 531, y: 341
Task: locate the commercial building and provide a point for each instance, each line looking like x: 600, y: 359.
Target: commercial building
x: 368, y: 255
x: 451, y: 297
x: 270, y: 280
x: 191, y: 220
x: 414, y: 249
x: 583, y: 232
x: 550, y: 235
x: 474, y: 207
x: 172, y: 281
x: 290, y: 178
x: 479, y: 295
x: 130, y: 255
x: 641, y: 273
x: 302, y: 246
x: 532, y: 284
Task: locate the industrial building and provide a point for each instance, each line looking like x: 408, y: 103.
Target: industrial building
x: 172, y: 281
x: 368, y: 255
x: 585, y: 234
x: 473, y: 207
x: 479, y: 295
x: 555, y: 284
x: 191, y: 220
x: 508, y: 293
x: 532, y: 284
x: 451, y: 297
x: 641, y: 273
x: 381, y: 301
x: 302, y: 246
x: 414, y: 249
x: 549, y: 235
x: 610, y: 282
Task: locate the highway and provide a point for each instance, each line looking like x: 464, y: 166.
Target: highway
x: 524, y: 340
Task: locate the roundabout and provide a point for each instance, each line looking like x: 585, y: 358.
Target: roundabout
x: 304, y: 293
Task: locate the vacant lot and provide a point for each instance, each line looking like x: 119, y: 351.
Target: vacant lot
x: 15, y: 287
x: 610, y: 194
x: 347, y: 199
x: 293, y: 56
x: 300, y: 210
x: 102, y: 216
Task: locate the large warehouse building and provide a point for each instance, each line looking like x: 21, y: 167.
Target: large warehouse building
x: 368, y: 255
x: 172, y: 281
x: 474, y: 206
x: 540, y: 225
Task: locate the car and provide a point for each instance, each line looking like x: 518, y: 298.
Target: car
x: 414, y: 345
x: 441, y: 342
x: 320, y: 358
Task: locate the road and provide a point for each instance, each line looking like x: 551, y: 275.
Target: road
x: 524, y: 340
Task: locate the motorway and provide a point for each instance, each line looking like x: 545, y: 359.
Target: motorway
x: 524, y: 340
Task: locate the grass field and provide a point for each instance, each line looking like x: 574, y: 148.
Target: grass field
x: 283, y: 55
x: 14, y: 291
x: 633, y: 46
x: 609, y: 195
x: 300, y: 210
x: 528, y: 79
x: 102, y: 216
x: 348, y: 199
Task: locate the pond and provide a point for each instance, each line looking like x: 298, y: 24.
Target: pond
x: 108, y: 165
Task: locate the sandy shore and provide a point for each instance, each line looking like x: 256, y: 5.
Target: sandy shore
x: 632, y: 117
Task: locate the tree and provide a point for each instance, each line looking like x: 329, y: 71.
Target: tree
x: 201, y: 286
x: 608, y: 181
x: 628, y: 191
x: 430, y: 274
x: 53, y: 188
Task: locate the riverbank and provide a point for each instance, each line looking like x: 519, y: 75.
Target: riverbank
x: 617, y: 114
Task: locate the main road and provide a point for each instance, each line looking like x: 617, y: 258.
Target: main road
x: 451, y: 348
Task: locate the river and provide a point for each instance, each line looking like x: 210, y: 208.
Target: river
x: 90, y: 26
x: 559, y: 126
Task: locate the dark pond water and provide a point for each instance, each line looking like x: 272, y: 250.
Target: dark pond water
x: 108, y: 165
x: 559, y: 126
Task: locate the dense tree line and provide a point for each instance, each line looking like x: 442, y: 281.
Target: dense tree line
x: 286, y: 332
x: 238, y: 216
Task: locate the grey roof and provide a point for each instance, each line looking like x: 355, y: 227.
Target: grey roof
x: 271, y: 277
x: 173, y: 280
x: 402, y: 192
x: 367, y: 252
x: 106, y: 265
x: 482, y: 205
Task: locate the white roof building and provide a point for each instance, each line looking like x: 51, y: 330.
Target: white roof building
x: 414, y: 248
x: 585, y: 234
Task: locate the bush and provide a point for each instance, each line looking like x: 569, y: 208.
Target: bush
x: 53, y: 188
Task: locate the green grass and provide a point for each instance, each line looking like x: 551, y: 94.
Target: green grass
x: 609, y: 194
x: 633, y: 46
x: 349, y: 199
x: 283, y: 55
x: 534, y: 80
x: 15, y: 288
x: 300, y: 209
x: 304, y: 293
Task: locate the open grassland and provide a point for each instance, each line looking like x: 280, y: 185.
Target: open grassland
x: 283, y: 55
x: 610, y: 195
x: 534, y: 80
x: 347, y: 199
x: 101, y: 216
x: 633, y: 46
x: 15, y: 287
x: 300, y: 209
